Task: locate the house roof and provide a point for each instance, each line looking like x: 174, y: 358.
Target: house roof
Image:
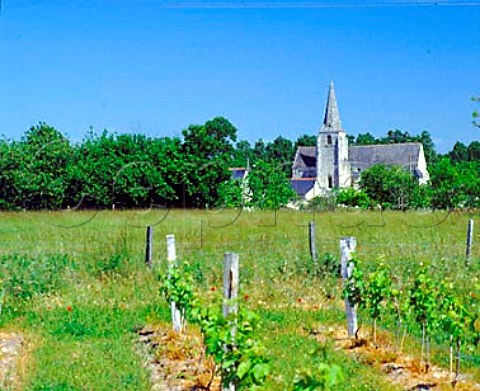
x: 404, y: 155
x: 305, y: 157
x: 302, y: 186
x: 238, y: 172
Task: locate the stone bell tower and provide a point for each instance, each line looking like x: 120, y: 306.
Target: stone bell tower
x: 333, y: 167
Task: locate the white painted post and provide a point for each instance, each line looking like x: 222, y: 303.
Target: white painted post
x: 230, y: 294
x: 347, y: 247
x: 177, y: 320
x: 468, y: 252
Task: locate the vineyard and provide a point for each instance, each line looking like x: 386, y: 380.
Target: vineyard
x: 77, y: 288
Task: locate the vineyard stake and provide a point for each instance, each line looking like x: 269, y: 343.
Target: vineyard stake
x: 347, y: 247
x: 172, y: 261
x: 468, y: 252
x: 149, y: 247
x: 230, y: 294
x: 313, y: 248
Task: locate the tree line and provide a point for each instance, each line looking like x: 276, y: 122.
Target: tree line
x: 45, y: 170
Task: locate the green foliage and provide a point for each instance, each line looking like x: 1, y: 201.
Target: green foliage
x: 354, y: 286
x: 306, y: 140
x: 369, y: 291
x: 231, y: 194
x: 354, y: 198
x: 111, y: 266
x: 390, y: 186
x: 231, y: 342
x: 455, y: 185
x: 377, y: 291
x: 324, y: 377
x: 178, y: 287
x: 329, y: 265
x: 423, y: 296
x: 454, y: 317
x: 24, y: 277
x: 61, y: 386
x: 268, y: 187
x: 208, y: 153
x: 43, y: 170
x: 74, y: 324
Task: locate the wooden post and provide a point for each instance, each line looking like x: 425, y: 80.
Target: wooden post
x: 313, y: 248
x: 177, y: 320
x: 230, y: 294
x: 347, y: 247
x: 468, y: 252
x: 149, y: 247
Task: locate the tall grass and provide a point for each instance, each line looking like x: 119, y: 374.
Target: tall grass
x: 78, y: 287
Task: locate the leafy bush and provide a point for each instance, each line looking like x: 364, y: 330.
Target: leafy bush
x: 354, y: 198
x: 24, y: 277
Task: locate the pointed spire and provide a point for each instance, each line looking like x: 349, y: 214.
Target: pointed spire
x: 332, y: 117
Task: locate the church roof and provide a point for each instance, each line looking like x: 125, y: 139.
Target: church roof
x: 363, y: 156
x: 332, y: 116
x: 404, y: 155
x: 305, y: 157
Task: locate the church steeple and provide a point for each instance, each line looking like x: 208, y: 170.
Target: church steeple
x: 332, y: 116
x: 333, y: 167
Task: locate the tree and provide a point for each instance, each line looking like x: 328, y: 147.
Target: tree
x: 428, y: 147
x: 455, y: 184
x: 396, y: 137
x: 474, y: 151
x: 366, y: 139
x: 306, y: 140
x: 243, y: 155
x: 265, y: 187
x: 281, y: 153
x: 125, y: 170
x: 39, y: 175
x: 269, y: 186
x: 259, y: 150
x: 208, y: 152
x: 390, y: 186
x: 459, y: 152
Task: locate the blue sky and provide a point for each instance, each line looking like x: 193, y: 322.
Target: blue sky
x: 154, y: 67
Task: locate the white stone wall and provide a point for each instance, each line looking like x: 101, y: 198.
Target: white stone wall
x: 422, y: 167
x: 333, y: 168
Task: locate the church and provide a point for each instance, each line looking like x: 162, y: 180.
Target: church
x: 332, y: 163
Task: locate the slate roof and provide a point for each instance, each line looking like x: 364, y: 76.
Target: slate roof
x: 305, y: 157
x: 302, y: 186
x: 238, y: 173
x: 363, y: 156
x: 332, y: 116
x: 405, y: 155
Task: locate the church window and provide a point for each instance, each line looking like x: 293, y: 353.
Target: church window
x: 330, y: 182
x: 329, y: 140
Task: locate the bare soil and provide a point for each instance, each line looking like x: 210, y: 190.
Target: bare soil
x: 11, y: 345
x: 400, y: 368
x: 177, y: 361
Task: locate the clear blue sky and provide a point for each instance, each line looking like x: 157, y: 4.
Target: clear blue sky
x: 155, y: 67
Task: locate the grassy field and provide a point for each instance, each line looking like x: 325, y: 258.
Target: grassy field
x: 78, y: 287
